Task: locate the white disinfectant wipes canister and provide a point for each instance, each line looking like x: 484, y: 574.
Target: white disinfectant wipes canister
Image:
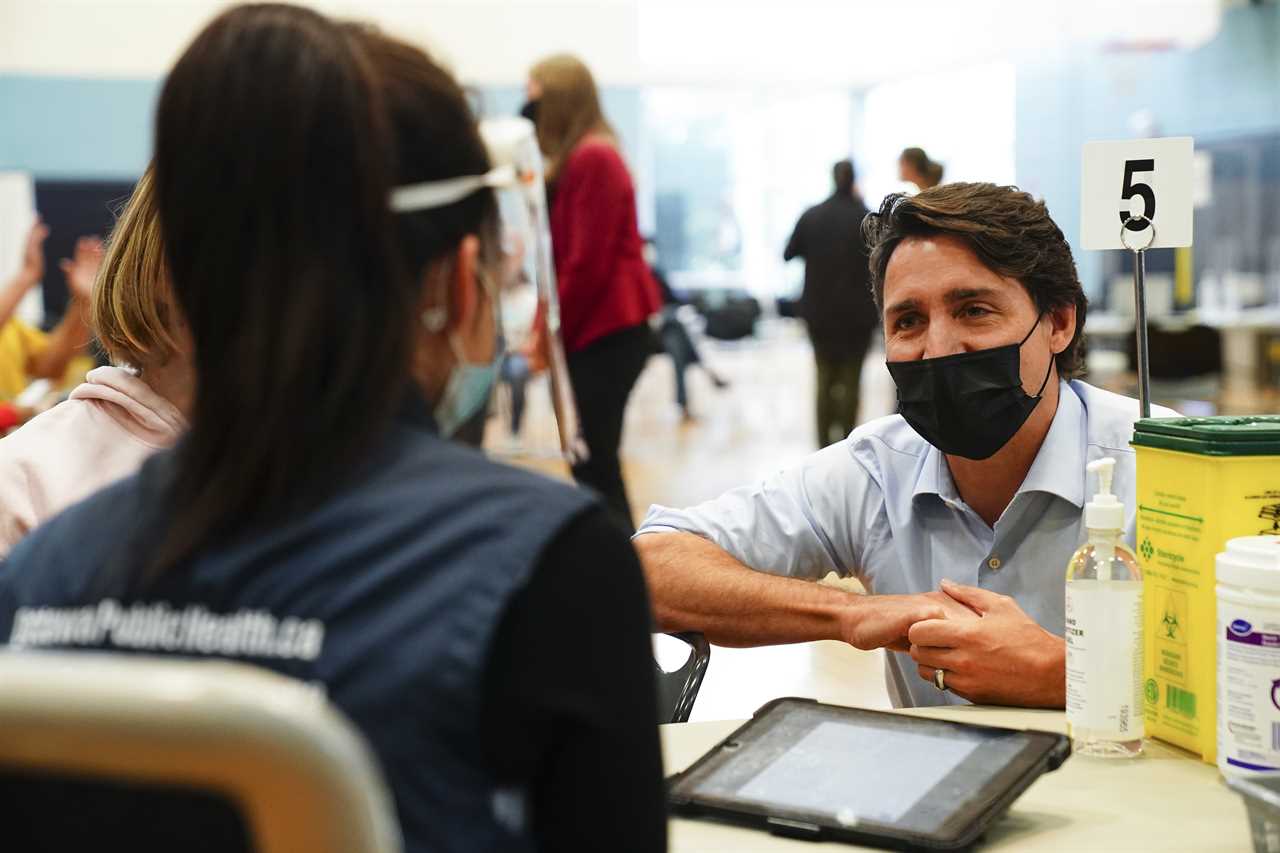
x: 1249, y: 656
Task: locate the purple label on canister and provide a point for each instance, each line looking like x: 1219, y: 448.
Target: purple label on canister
x: 1254, y: 638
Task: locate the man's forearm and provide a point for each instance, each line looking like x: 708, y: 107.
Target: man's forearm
x: 696, y: 586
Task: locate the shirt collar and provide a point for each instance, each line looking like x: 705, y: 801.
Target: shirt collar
x: 935, y: 477
x: 1058, y: 468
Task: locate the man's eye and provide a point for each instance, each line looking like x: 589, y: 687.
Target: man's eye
x: 906, y: 321
x: 972, y: 311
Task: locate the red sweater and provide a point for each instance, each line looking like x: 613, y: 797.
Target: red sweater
x: 604, y: 284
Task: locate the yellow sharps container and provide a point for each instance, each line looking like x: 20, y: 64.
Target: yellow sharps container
x: 1201, y: 481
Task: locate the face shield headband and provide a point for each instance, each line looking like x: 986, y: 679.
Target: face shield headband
x: 432, y: 194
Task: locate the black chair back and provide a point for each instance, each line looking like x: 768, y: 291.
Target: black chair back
x: 677, y: 690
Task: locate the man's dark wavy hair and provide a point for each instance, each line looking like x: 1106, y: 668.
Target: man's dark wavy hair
x: 1010, y: 232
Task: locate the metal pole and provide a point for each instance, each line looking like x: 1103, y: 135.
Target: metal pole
x: 1140, y: 307
x: 1140, y: 310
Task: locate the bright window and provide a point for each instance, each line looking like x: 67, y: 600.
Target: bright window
x: 731, y: 170
x: 963, y: 119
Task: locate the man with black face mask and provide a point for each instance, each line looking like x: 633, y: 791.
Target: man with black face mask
x: 960, y: 513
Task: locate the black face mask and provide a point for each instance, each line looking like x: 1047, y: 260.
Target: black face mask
x: 969, y: 404
x: 530, y: 111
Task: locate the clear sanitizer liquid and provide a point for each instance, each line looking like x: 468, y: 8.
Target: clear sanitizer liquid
x: 1104, y: 633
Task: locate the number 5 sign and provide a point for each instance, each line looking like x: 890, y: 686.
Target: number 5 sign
x: 1137, y: 181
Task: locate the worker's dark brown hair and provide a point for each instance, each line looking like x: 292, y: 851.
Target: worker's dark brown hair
x: 280, y: 135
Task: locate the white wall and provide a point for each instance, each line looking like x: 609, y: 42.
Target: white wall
x: 627, y: 42
x: 17, y: 208
x: 17, y: 214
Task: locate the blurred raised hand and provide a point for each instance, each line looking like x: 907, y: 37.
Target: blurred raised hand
x: 82, y: 268
x: 29, y: 273
x: 32, y: 269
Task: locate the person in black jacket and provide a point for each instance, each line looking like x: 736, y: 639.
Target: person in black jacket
x: 836, y: 303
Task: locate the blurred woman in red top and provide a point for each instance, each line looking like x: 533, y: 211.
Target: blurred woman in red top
x: 606, y: 291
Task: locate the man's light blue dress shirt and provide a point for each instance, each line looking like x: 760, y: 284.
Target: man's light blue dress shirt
x: 881, y: 506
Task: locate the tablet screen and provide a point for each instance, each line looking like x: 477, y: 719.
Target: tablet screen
x: 852, y: 768
x: 863, y: 774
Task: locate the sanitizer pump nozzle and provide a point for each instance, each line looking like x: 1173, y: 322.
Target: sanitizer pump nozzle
x: 1104, y: 512
x: 1104, y: 515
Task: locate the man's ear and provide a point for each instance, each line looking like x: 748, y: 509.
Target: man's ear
x: 463, y: 297
x: 1062, y: 327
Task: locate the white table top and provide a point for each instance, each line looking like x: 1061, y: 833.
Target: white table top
x: 1163, y: 801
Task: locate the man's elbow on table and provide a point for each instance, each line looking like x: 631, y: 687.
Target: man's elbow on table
x: 668, y: 557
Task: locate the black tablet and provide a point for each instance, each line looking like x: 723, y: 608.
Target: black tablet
x: 827, y: 772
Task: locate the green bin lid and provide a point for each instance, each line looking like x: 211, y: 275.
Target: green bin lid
x: 1225, y: 435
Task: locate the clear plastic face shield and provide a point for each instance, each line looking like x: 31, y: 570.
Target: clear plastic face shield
x: 521, y: 273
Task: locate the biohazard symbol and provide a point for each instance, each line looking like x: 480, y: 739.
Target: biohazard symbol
x: 1271, y: 513
x: 1173, y: 617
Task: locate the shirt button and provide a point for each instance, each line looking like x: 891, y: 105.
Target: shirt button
x: 993, y: 563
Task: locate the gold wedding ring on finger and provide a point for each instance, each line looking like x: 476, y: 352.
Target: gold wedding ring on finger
x: 940, y: 679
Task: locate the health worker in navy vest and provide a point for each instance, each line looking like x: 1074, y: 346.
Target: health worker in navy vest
x: 332, y: 241
x: 959, y: 514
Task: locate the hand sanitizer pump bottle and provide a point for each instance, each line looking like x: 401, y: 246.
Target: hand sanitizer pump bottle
x: 1104, y: 632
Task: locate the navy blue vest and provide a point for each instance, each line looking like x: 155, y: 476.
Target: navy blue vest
x: 387, y: 595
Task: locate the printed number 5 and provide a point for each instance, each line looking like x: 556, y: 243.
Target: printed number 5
x: 1130, y: 189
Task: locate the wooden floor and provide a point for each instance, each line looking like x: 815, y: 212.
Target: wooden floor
x: 763, y: 421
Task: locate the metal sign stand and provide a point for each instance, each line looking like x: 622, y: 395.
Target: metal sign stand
x: 1140, y: 308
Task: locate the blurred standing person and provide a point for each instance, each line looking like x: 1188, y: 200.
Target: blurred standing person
x: 606, y: 291
x: 915, y: 167
x: 676, y: 340
x: 836, y: 303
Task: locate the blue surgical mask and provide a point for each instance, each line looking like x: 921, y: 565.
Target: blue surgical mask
x: 467, y: 389
x: 469, y: 385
